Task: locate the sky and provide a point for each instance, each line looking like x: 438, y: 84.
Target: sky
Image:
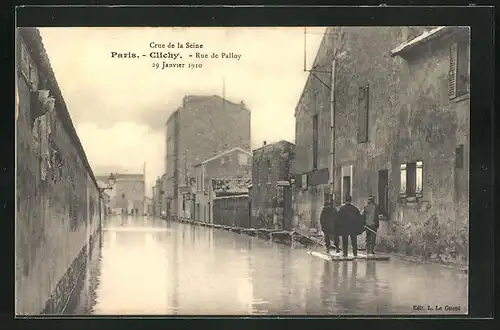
x: 119, y: 106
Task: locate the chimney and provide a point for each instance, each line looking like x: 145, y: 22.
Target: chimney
x: 264, y: 144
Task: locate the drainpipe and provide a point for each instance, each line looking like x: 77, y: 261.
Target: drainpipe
x: 332, y: 131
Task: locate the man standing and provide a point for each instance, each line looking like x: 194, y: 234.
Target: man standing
x: 371, y: 213
x: 349, y: 226
x: 327, y: 220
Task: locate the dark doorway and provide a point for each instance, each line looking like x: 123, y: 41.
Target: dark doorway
x: 346, y: 187
x: 383, y: 191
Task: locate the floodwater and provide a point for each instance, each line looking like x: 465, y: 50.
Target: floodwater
x: 143, y: 265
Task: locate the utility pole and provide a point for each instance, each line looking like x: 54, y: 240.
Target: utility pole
x: 332, y: 129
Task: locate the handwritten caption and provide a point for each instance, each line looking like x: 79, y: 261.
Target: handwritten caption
x: 178, y: 55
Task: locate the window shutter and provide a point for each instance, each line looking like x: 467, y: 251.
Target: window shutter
x: 419, y: 178
x: 459, y: 157
x: 452, y: 75
x: 402, y: 190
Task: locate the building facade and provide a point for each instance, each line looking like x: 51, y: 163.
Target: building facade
x: 157, y: 197
x: 231, y: 164
x: 130, y: 192
x: 203, y: 126
x: 271, y: 197
x: 399, y: 128
x: 59, y: 206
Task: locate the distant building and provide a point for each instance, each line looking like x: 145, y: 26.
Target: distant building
x: 129, y: 193
x: 148, y: 201
x: 231, y: 164
x: 401, y: 105
x: 229, y: 201
x: 157, y: 197
x: 271, y: 198
x: 203, y: 126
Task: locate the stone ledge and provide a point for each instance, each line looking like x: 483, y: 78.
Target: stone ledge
x: 57, y: 302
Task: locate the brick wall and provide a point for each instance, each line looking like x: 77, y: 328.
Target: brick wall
x: 57, y: 196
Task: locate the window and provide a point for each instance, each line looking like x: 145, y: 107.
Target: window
x: 243, y: 159
x: 183, y: 202
x: 459, y: 157
x: 458, y: 78
x: 363, y: 105
x: 315, y: 141
x: 411, y: 179
x: 304, y: 181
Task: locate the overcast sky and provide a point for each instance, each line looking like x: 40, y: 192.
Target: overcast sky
x: 119, y: 106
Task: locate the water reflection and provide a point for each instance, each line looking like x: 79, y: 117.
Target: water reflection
x: 150, y: 266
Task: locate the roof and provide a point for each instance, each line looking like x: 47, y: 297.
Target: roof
x: 223, y: 154
x: 230, y: 186
x: 31, y: 36
x: 426, y: 36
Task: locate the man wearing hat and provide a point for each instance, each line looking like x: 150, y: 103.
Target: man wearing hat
x: 371, y: 213
x: 327, y: 220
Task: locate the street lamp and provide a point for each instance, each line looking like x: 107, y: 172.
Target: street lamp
x: 111, y: 183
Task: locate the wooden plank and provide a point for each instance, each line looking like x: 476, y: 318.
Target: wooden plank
x: 373, y: 256
x: 339, y: 257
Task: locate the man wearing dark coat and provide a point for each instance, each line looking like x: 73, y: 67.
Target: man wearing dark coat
x: 349, y: 224
x: 371, y: 213
x: 327, y: 220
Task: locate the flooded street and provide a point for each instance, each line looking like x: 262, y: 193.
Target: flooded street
x: 142, y: 265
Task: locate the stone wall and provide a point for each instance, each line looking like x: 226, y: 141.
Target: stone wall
x: 270, y: 164
x: 58, y: 202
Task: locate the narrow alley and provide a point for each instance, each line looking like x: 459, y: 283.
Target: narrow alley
x: 144, y: 265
